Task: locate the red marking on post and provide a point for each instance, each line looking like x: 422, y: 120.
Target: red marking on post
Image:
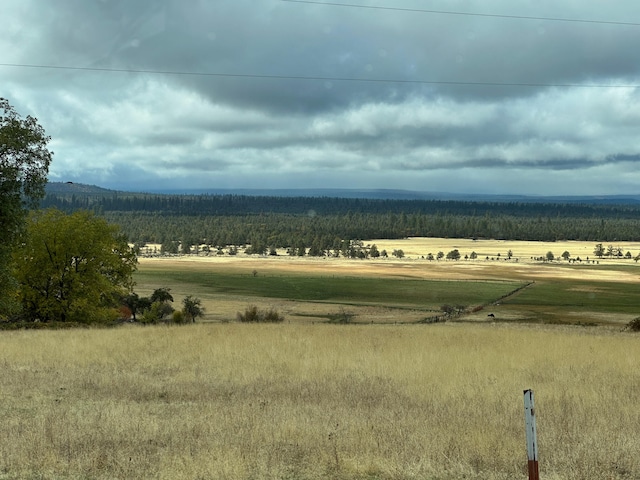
x: 533, y: 470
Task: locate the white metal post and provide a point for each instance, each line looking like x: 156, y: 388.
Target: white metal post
x: 532, y: 442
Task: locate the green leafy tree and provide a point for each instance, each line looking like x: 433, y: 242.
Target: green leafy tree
x: 453, y: 255
x: 136, y: 304
x: 398, y: 253
x: 161, y: 295
x: 157, y: 307
x: 599, y: 250
x: 192, y: 308
x: 73, y: 267
x: 24, y: 164
x: 550, y: 256
x: 157, y: 312
x: 566, y: 255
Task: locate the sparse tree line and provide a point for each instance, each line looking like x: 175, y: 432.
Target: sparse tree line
x: 357, y: 249
x: 158, y: 308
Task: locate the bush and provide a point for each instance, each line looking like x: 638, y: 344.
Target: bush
x: 253, y: 314
x: 634, y: 325
x: 178, y: 317
x: 158, y: 312
x: 341, y: 317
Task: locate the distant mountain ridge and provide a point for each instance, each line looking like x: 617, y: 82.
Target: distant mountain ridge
x: 67, y: 188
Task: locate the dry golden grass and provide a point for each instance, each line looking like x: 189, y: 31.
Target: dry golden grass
x: 522, y: 265
x: 317, y: 401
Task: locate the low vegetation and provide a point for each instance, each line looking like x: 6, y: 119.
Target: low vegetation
x: 253, y: 314
x: 634, y: 325
x: 245, y: 401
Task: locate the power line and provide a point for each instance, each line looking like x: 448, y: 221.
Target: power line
x: 468, y: 14
x: 315, y: 78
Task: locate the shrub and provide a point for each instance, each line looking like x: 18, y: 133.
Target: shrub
x: 178, y: 317
x: 448, y: 309
x: 253, y: 314
x: 634, y: 325
x: 341, y: 317
x: 158, y: 312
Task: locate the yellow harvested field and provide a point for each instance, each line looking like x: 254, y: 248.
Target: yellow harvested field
x: 522, y: 265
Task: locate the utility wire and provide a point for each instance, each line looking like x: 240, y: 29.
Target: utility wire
x: 468, y: 14
x: 314, y: 78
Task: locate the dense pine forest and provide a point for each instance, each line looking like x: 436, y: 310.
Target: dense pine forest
x: 319, y: 225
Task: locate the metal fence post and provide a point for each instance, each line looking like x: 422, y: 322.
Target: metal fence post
x: 532, y: 442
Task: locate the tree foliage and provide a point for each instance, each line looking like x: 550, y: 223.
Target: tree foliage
x: 72, y: 267
x: 453, y: 255
x: 24, y: 164
x: 283, y: 222
x: 599, y: 250
x: 192, y: 308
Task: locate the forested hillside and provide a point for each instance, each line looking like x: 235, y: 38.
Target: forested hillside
x: 324, y: 224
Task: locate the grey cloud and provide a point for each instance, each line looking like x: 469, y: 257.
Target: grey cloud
x: 113, y: 126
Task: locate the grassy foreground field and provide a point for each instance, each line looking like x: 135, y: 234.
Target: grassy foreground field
x: 318, y: 401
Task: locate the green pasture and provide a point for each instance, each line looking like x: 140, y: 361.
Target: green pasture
x: 571, y: 301
x: 550, y: 300
x: 591, y: 296
x: 392, y: 292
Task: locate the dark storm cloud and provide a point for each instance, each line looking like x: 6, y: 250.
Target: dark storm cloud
x: 275, y: 91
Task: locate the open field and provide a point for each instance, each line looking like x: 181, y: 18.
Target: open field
x: 600, y: 291
x: 310, y: 400
x: 320, y: 401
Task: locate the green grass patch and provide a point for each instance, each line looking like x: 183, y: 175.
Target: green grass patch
x: 615, y: 297
x: 340, y: 289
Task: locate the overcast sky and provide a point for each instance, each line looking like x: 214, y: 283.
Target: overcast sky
x: 533, y: 98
